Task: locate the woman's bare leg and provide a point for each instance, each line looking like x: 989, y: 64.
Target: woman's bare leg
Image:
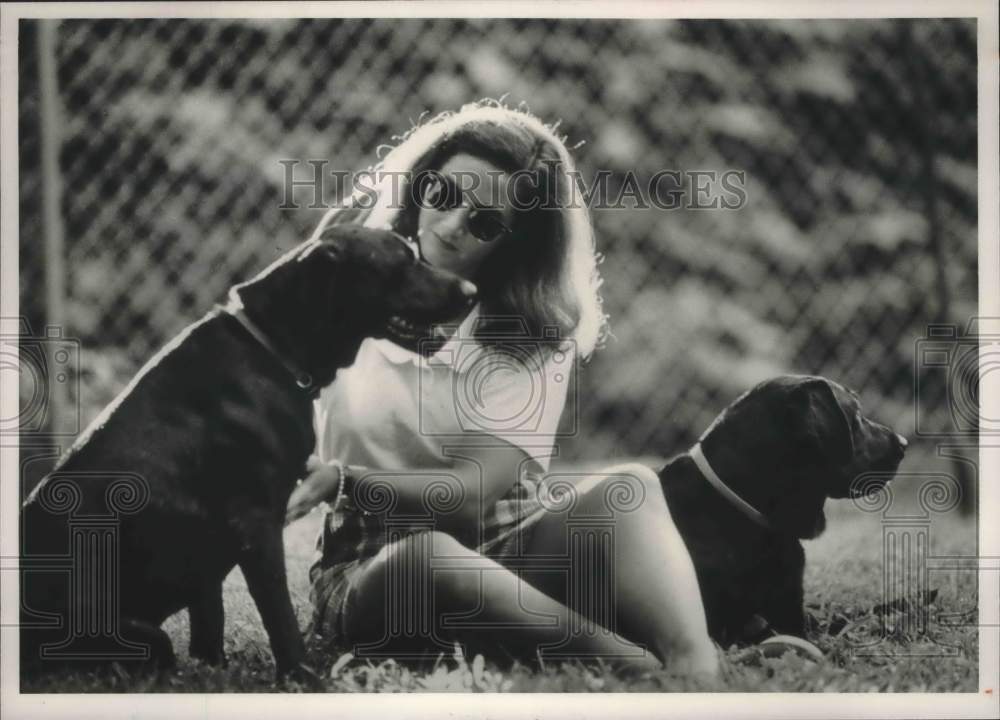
x: 429, y: 586
x: 643, y: 573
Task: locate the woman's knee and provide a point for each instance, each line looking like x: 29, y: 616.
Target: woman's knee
x: 637, y: 473
x: 610, y: 492
x: 629, y: 488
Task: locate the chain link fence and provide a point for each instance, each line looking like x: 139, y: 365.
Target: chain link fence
x: 857, y: 141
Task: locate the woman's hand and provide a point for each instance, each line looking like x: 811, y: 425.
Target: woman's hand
x: 321, y: 483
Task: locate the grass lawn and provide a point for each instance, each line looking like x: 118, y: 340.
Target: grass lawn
x: 843, y: 584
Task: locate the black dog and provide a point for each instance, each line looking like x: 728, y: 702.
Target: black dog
x: 756, y: 483
x: 201, y: 451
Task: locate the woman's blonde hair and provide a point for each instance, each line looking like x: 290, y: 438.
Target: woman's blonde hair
x: 548, y: 275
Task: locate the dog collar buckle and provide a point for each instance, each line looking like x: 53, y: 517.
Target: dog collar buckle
x: 698, y: 455
x: 303, y: 380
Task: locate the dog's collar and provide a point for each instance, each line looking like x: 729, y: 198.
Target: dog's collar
x: 302, y: 379
x: 715, y: 481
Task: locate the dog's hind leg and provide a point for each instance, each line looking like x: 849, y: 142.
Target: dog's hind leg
x: 161, y: 650
x: 208, y: 621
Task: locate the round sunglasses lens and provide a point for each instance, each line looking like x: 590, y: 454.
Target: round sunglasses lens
x: 486, y: 225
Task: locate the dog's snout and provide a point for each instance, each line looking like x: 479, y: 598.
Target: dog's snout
x: 468, y: 289
x: 897, y: 447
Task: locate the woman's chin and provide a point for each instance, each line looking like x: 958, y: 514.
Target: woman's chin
x: 442, y: 262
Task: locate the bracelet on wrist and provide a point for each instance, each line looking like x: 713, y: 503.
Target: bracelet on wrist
x: 339, y: 467
x: 349, y: 484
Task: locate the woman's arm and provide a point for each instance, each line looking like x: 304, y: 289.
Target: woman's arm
x: 320, y: 485
x: 458, y: 495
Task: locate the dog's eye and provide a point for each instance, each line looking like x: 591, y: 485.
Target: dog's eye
x: 412, y: 250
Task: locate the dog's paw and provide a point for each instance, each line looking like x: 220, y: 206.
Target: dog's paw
x: 753, y: 631
x: 303, y: 678
x: 210, y: 656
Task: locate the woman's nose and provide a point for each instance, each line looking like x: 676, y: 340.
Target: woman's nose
x: 450, y: 224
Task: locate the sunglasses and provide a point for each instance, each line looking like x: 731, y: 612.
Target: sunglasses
x: 440, y: 192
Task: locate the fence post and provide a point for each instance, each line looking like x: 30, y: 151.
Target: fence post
x: 55, y: 266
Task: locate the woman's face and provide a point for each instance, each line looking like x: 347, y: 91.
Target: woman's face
x: 446, y: 240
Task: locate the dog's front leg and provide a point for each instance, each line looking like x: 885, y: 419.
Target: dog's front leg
x: 208, y: 621
x: 786, y: 614
x: 263, y: 564
x: 783, y: 603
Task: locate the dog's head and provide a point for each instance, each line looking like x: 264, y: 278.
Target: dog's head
x: 392, y: 293
x: 319, y: 301
x: 791, y: 442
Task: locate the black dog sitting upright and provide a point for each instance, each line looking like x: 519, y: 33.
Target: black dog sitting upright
x: 215, y: 429
x: 755, y: 484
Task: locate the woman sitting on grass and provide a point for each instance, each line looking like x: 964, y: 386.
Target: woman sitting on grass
x: 441, y: 525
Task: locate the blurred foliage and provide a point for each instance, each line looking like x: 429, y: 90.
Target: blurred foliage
x: 857, y: 138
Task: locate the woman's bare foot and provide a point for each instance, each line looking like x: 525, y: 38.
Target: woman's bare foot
x: 702, y: 663
x: 636, y: 667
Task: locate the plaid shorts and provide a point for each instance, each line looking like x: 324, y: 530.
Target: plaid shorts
x: 350, y: 540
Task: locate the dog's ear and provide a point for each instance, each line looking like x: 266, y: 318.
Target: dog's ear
x: 334, y: 252
x: 821, y: 421
x: 324, y: 249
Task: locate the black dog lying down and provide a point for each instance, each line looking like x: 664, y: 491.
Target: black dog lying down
x: 215, y: 429
x: 756, y: 483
